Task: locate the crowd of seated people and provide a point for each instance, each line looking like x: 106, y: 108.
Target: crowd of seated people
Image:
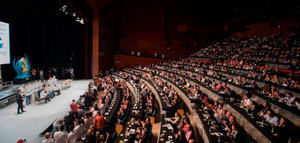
x: 169, y: 93
x: 124, y: 107
x: 86, y: 121
x: 265, y: 73
x: 203, y: 100
x: 138, y: 127
x: 182, y: 130
x: 248, y: 105
x: 148, y: 101
x: 171, y: 96
x: 275, y: 48
x: 288, y: 98
x: 233, y: 62
x: 273, y: 91
x: 164, y: 97
x: 193, y: 92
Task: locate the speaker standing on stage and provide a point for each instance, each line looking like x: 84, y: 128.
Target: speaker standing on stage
x: 20, y: 102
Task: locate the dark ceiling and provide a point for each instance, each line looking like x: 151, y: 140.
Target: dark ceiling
x: 215, y: 11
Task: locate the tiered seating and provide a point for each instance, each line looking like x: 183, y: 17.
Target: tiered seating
x: 194, y: 94
x: 165, y: 102
x: 251, y: 86
x: 139, y: 127
x: 179, y: 83
x: 167, y: 126
x: 278, y: 49
x: 236, y: 96
x: 93, y: 117
x: 219, y: 85
x: 215, y: 96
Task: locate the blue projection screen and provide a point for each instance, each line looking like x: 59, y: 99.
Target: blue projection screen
x: 4, y: 43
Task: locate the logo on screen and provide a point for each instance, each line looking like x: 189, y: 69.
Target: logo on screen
x: 22, y: 67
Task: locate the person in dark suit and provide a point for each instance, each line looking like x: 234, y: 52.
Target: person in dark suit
x: 20, y: 102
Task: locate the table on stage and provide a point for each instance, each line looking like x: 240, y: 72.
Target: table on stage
x: 7, y: 96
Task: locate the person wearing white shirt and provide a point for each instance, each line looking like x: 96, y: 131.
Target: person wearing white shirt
x: 271, y: 119
x: 60, y: 136
x: 48, y: 139
x: 289, y: 99
x: 71, y: 70
x: 22, y: 93
x: 22, y: 90
x: 39, y: 88
x: 40, y: 85
x: 197, y: 96
x: 28, y: 94
x: 246, y: 101
x: 102, y: 108
x: 80, y: 129
x: 94, y: 87
x: 50, y: 91
x: 88, y: 121
x: 35, y: 90
x: 44, y: 96
x: 50, y: 81
x: 72, y: 135
x: 55, y: 89
x: 54, y: 80
x: 108, y: 98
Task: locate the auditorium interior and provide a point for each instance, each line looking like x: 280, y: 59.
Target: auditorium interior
x: 149, y: 71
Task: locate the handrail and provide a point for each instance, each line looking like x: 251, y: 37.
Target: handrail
x: 266, y: 137
x: 209, y: 138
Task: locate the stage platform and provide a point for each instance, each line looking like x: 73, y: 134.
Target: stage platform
x: 37, y: 117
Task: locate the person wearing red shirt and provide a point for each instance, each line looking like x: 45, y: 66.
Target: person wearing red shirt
x: 99, y: 120
x: 73, y: 106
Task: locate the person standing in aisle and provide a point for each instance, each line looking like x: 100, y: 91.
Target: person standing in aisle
x: 20, y: 102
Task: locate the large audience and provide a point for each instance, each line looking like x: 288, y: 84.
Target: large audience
x: 276, y: 48
x: 231, y: 83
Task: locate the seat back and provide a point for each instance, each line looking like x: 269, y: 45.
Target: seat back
x: 119, y: 128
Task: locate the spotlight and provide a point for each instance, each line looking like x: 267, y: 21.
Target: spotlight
x: 82, y: 21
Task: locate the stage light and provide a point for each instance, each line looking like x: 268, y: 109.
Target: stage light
x: 63, y: 8
x: 82, y: 21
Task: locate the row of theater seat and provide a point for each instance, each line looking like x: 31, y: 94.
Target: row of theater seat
x: 234, y: 97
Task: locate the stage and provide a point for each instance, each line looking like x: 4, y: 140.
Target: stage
x: 37, y: 117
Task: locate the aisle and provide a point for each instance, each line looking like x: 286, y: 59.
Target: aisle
x: 37, y: 117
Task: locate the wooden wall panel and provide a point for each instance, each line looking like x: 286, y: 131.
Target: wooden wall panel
x: 121, y: 61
